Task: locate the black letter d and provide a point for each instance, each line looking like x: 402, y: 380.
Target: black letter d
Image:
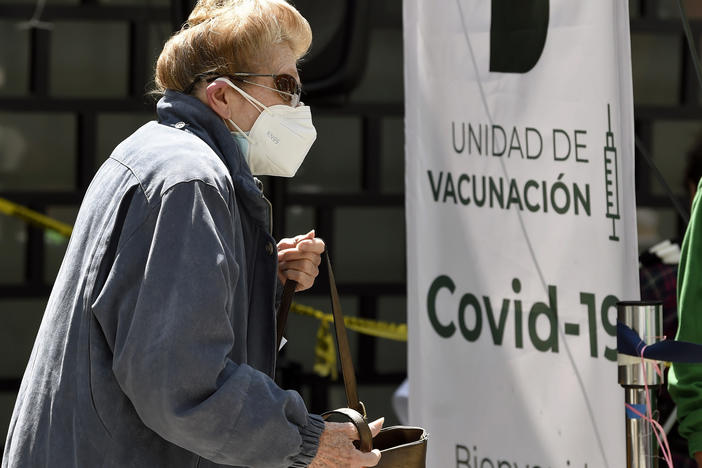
x: 517, y: 34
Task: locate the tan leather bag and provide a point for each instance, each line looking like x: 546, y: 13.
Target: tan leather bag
x: 400, y: 446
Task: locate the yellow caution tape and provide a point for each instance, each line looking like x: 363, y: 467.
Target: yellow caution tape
x: 35, y: 218
x: 325, y: 351
x: 377, y: 328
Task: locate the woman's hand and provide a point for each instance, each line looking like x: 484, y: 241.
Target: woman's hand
x: 336, y: 449
x: 299, y: 258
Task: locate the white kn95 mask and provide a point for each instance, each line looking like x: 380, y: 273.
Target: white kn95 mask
x: 279, y: 139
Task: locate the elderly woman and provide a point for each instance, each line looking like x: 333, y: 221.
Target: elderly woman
x: 157, y: 346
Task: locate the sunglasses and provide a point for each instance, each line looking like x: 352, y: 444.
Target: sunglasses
x: 285, y: 85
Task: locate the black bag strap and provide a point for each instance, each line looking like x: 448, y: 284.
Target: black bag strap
x: 342, y: 342
x: 283, y: 310
x: 356, y: 411
x: 342, y: 339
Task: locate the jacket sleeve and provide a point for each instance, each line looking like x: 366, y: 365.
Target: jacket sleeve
x: 172, y: 335
x: 685, y: 380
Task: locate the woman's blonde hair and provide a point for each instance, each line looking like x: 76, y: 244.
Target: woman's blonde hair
x: 222, y: 37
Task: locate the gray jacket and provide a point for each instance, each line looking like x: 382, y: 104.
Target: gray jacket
x: 157, y: 346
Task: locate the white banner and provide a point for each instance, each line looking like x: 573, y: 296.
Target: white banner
x: 521, y: 228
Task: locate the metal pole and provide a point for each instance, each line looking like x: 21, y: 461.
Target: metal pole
x: 646, y: 318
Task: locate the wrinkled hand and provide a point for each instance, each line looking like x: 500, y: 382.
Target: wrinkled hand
x: 299, y: 258
x: 336, y: 449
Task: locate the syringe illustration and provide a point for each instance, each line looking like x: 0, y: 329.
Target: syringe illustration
x: 611, y: 178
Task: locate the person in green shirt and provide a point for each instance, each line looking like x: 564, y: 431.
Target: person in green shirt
x: 685, y: 380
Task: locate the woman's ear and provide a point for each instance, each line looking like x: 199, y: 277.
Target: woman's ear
x: 219, y: 99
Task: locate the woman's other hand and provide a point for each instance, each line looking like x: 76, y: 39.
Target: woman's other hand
x: 336, y: 449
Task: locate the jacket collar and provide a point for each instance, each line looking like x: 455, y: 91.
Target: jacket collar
x: 188, y: 113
